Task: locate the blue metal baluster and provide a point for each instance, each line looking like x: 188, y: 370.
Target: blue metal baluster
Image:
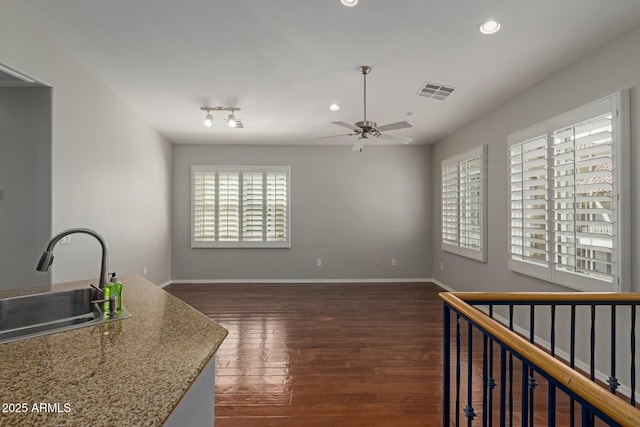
x: 525, y: 393
x: 511, y: 371
x: 633, y: 355
x: 572, y: 362
x: 587, y: 417
x: 503, y: 388
x: 551, y: 417
x: 446, y: 368
x: 492, y: 381
x: 457, y: 369
x: 531, y: 383
x: 468, y: 409
x: 553, y: 330
x: 613, y: 381
x: 485, y: 382
x: 592, y: 368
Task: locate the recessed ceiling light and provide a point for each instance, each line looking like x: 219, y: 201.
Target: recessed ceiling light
x: 490, y: 27
x: 349, y: 3
x: 334, y: 107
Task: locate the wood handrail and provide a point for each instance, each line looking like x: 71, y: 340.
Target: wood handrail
x: 602, y: 297
x: 607, y: 403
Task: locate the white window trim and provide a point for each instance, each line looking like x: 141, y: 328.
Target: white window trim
x: 481, y: 253
x: 618, y: 104
x: 240, y: 169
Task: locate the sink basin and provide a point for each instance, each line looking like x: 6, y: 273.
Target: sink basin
x: 47, y: 313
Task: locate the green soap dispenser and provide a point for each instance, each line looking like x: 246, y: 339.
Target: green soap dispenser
x: 113, y: 288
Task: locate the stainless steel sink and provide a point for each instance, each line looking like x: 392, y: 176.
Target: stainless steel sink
x: 47, y: 313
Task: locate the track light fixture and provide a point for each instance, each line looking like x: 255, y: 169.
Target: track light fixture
x: 232, y: 121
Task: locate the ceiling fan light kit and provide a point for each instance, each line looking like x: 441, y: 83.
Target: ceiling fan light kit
x: 365, y: 128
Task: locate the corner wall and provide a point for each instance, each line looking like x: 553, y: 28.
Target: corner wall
x: 25, y: 175
x: 110, y: 170
x: 347, y: 209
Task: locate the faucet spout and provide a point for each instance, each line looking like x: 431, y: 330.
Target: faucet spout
x: 47, y: 257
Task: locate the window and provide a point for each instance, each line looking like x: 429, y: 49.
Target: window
x: 464, y: 204
x: 568, y: 194
x: 240, y: 206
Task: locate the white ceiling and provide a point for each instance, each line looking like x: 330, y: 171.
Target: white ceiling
x: 284, y: 61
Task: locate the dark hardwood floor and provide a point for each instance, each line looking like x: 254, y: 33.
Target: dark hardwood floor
x: 325, y: 354
x: 340, y: 355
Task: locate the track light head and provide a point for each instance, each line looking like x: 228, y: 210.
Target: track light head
x: 208, y: 121
x: 231, y: 120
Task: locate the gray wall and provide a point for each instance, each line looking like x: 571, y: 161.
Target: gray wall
x: 347, y: 209
x: 110, y: 170
x: 25, y: 183
x: 611, y: 68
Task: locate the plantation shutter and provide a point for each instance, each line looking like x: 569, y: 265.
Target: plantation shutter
x: 252, y: 206
x: 276, y: 210
x: 470, y: 201
x: 569, y: 197
x: 450, y: 204
x: 240, y: 207
x: 583, y: 198
x: 228, y: 206
x: 204, y: 205
x: 528, y: 165
x: 463, y: 204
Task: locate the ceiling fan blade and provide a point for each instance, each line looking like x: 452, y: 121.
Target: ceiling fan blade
x: 394, y: 126
x: 334, y: 136
x: 395, y: 138
x: 346, y: 125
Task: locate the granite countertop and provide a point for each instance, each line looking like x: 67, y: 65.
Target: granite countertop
x: 127, y: 372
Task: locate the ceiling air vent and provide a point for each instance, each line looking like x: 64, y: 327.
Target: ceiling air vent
x: 435, y: 91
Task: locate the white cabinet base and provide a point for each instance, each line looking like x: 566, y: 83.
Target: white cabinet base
x: 197, y: 406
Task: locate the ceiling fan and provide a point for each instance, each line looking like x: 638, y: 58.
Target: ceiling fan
x: 367, y: 128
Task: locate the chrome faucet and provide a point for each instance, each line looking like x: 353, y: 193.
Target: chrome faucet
x: 47, y: 257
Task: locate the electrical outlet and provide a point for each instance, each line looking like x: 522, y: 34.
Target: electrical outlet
x: 144, y: 271
x: 441, y: 265
x: 394, y: 261
x: 318, y: 262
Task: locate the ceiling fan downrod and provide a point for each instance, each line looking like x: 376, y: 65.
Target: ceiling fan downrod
x: 365, y: 69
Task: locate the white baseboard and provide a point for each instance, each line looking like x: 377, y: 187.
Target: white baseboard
x: 167, y: 283
x: 289, y: 281
x: 442, y: 285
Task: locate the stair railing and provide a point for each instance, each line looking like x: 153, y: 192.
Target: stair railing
x: 502, y: 395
